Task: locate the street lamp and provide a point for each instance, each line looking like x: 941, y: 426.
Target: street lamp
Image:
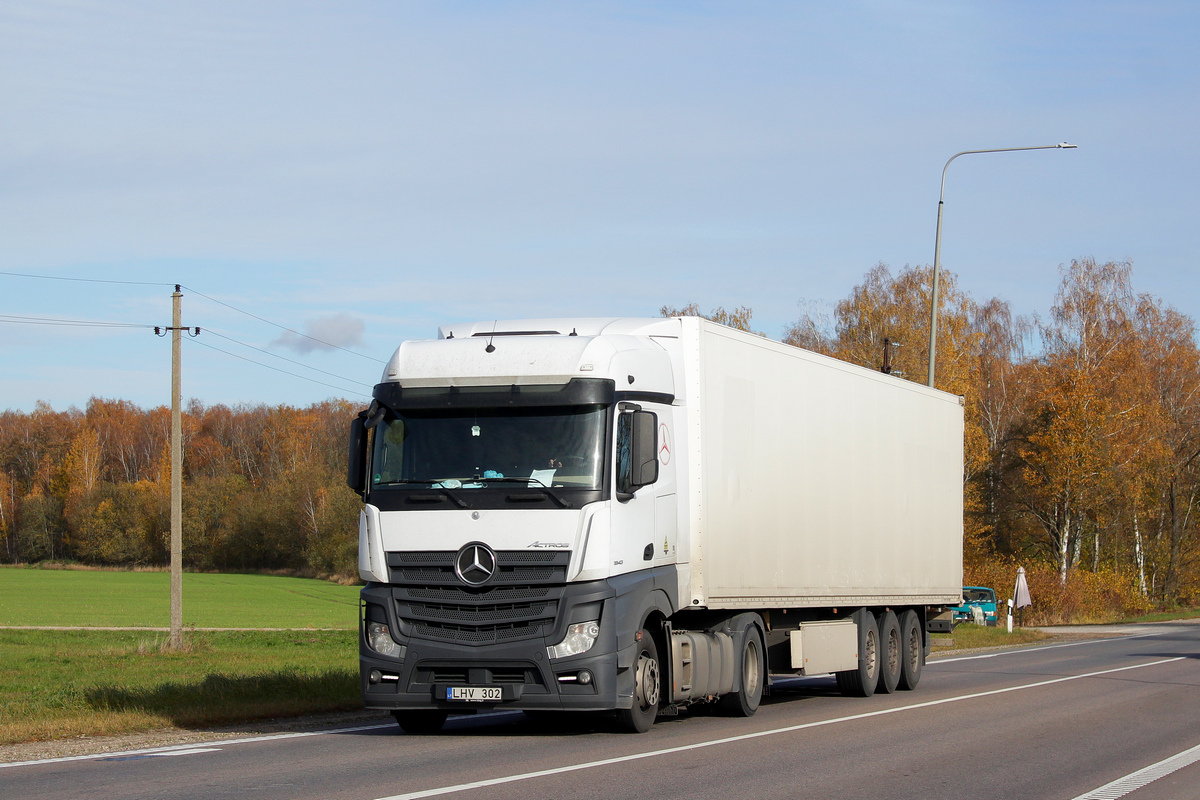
x: 937, y: 246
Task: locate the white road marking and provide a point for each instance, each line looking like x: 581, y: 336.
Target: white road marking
x: 184, y: 748
x: 1136, y: 780
x: 463, y: 787
x: 168, y: 754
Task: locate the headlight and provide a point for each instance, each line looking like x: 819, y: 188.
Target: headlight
x: 380, y: 640
x: 579, y: 639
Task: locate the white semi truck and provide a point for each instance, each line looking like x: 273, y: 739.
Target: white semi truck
x: 639, y: 515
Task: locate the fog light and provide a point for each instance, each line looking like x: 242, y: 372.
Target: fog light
x: 379, y: 639
x: 375, y: 676
x: 585, y: 677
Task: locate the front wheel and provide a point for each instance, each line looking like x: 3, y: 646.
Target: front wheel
x: 647, y: 688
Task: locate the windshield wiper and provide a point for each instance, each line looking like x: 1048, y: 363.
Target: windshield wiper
x: 533, y: 483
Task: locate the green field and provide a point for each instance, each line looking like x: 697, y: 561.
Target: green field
x: 103, y: 598
x: 59, y: 684
x: 56, y: 684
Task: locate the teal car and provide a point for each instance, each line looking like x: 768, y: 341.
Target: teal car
x: 979, y: 597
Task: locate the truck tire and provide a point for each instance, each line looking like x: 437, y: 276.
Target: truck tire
x: 752, y: 676
x: 861, y: 682
x: 421, y: 721
x: 890, y: 650
x: 647, y: 688
x: 912, y: 650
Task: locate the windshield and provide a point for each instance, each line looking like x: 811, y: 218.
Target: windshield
x: 465, y: 448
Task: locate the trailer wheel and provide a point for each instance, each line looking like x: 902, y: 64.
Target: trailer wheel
x: 912, y: 650
x: 752, y: 677
x: 421, y: 721
x: 647, y: 688
x: 861, y: 682
x: 890, y: 651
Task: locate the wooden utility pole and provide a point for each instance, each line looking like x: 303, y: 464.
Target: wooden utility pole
x: 176, y: 329
x: 176, y: 475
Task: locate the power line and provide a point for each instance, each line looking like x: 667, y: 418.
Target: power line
x: 201, y: 294
x: 83, y: 280
x: 277, y: 369
x: 78, y: 323
x: 285, y: 358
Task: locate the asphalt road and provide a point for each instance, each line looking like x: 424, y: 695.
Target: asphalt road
x: 1057, y: 721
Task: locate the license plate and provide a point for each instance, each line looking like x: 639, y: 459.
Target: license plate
x: 474, y: 694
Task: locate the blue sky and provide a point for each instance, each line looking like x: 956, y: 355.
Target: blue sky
x: 363, y: 172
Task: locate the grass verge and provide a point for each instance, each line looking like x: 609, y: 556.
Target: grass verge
x: 968, y: 636
x: 61, y: 684
x: 112, y: 598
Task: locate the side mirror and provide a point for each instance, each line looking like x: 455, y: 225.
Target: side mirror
x: 637, y: 450
x: 356, y: 464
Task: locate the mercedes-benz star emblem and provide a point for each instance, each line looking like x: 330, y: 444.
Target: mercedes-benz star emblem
x: 475, y: 564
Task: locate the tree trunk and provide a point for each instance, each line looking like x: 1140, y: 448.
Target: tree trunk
x: 1139, y: 555
x: 1064, y: 550
x: 1077, y: 548
x: 1175, y: 522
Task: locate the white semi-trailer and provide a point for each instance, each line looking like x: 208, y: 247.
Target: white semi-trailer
x: 638, y: 515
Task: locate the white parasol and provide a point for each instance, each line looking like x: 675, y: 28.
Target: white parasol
x: 1021, y: 597
x: 1021, y: 591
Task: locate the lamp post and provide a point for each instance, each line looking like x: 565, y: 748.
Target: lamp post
x: 937, y: 246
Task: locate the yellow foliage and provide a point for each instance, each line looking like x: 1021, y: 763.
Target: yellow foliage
x: 739, y: 318
x: 1087, y: 597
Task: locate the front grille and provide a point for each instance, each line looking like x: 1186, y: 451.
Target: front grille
x: 481, y: 634
x: 521, y: 601
x: 495, y: 594
x: 513, y: 567
x: 480, y: 616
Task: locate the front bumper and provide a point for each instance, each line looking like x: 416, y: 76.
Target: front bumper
x: 527, y: 677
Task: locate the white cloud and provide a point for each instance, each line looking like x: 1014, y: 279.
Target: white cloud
x: 323, y: 334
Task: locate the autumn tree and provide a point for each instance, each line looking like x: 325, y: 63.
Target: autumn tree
x: 1103, y: 433
x: 997, y: 399
x: 1168, y: 478
x: 264, y: 487
x: 739, y: 318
